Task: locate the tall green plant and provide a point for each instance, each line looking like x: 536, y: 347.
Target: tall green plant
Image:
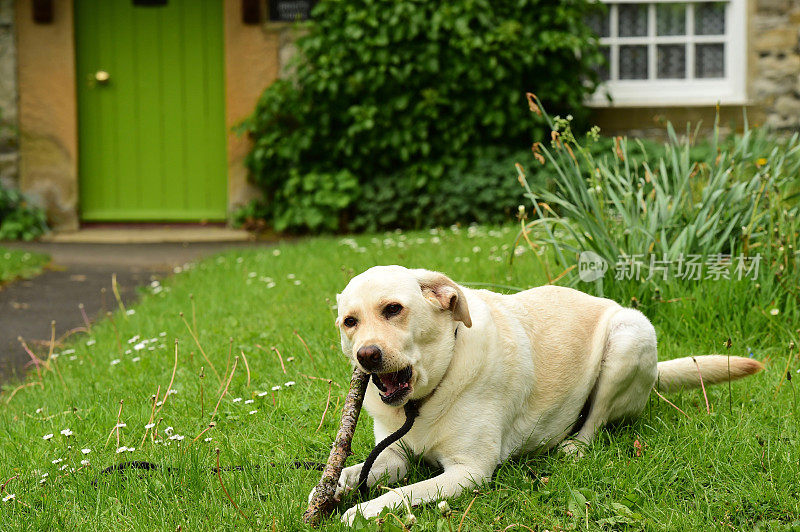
x: 735, y: 201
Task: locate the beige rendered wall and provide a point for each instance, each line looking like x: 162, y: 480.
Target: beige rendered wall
x: 48, y: 134
x: 252, y: 62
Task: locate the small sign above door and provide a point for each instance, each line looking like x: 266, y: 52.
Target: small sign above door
x: 290, y: 10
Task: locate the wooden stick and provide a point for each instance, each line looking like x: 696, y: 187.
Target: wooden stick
x: 324, y: 500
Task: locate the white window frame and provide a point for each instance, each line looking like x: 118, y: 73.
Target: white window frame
x: 730, y: 90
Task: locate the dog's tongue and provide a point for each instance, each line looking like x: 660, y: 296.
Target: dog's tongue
x: 390, y: 383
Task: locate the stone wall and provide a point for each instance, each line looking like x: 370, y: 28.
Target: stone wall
x: 9, y: 152
x: 651, y: 122
x: 775, y: 56
x: 773, y: 80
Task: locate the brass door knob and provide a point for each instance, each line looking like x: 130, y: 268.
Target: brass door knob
x: 101, y: 76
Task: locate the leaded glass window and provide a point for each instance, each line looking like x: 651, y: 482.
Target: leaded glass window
x: 680, y: 44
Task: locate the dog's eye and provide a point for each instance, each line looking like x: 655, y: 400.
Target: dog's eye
x: 392, y: 309
x: 350, y: 321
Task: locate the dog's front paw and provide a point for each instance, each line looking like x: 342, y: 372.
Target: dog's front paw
x: 349, y: 516
x: 348, y: 479
x: 573, y: 448
x: 368, y: 509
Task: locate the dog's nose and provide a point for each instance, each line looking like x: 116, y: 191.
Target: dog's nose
x: 369, y: 357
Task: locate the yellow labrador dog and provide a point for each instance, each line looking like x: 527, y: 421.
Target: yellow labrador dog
x: 496, y: 375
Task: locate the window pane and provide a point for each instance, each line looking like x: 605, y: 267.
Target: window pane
x: 598, y: 22
x: 671, y: 61
x: 670, y: 19
x: 709, y: 18
x: 604, y: 69
x: 709, y: 61
x: 633, y: 62
x: 632, y: 20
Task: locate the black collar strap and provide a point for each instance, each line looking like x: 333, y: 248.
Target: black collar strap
x: 411, y: 409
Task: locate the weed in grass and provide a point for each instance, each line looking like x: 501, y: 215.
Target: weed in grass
x: 200, y: 347
x: 110, y: 317
x: 115, y: 289
x: 86, y: 321
x: 225, y: 490
x: 202, y: 376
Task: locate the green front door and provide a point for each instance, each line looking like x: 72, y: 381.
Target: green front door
x: 151, y: 110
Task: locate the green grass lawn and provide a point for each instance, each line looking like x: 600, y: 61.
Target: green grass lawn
x: 16, y: 264
x: 736, y: 468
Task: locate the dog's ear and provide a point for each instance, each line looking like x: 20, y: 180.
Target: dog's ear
x: 440, y: 290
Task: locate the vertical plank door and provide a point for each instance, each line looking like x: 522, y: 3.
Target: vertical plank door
x: 151, y: 110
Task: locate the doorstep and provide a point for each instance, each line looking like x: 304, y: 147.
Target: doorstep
x: 144, y: 234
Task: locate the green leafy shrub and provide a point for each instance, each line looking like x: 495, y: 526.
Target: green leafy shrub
x: 485, y: 192
x: 19, y: 220
x: 399, y: 90
x: 313, y: 200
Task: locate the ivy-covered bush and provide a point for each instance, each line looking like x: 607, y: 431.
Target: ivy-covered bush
x: 387, y: 96
x: 19, y: 220
x: 484, y: 191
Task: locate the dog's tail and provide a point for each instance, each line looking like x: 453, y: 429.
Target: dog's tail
x: 684, y: 373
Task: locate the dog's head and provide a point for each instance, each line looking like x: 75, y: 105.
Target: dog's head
x: 399, y: 325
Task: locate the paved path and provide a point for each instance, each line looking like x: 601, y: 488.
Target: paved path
x: 78, y: 274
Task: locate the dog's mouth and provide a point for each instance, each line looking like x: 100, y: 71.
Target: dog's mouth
x: 393, y: 387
